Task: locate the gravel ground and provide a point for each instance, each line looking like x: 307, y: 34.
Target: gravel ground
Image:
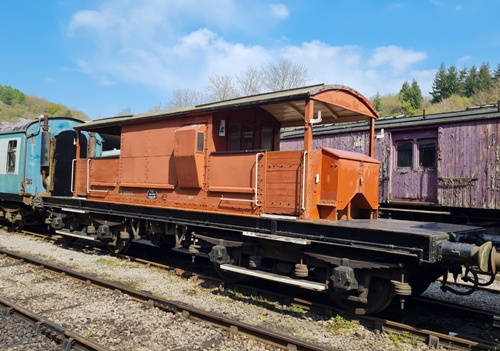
x: 479, y: 299
x: 335, y: 332
x: 18, y: 335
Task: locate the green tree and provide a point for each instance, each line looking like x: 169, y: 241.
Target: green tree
x: 446, y: 83
x: 452, y: 85
x: 496, y: 72
x: 471, y: 85
x: 438, y: 85
x: 462, y: 78
x: 11, y: 96
x: 377, y: 102
x: 485, y: 81
x: 411, y: 98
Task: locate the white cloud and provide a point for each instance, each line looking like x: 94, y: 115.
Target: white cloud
x: 279, y: 11
x: 145, y: 43
x: 395, y: 5
x: 398, y: 58
x: 464, y: 59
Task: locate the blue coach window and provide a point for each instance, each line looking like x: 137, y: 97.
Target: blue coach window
x: 11, y: 156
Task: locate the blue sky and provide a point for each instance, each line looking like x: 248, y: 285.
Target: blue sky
x: 104, y: 56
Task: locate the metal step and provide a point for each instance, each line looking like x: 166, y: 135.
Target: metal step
x: 75, y: 234
x: 306, y: 284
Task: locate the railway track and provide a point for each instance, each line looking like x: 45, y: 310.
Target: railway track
x: 66, y: 339
x: 59, y: 288
x: 400, y: 330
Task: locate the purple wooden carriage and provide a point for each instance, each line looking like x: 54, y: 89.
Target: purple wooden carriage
x: 443, y: 166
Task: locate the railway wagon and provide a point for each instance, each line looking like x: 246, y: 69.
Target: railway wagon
x: 443, y: 167
x: 210, y: 180
x: 35, y: 159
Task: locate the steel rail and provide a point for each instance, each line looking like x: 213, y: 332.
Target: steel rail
x: 233, y: 326
x: 67, y: 339
x: 431, y: 338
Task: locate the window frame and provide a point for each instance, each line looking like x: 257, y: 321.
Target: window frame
x: 416, y: 154
x: 12, y: 151
x: 419, y: 163
x: 397, y: 154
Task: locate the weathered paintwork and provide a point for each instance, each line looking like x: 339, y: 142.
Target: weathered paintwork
x: 467, y: 173
x: 38, y: 146
x: 224, y: 157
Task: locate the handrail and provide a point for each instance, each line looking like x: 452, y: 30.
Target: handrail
x: 303, y: 197
x: 256, y: 190
x: 72, y: 186
x: 88, y: 181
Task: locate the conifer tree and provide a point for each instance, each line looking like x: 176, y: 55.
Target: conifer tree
x: 485, y: 81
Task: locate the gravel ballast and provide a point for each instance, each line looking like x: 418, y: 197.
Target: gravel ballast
x: 334, y: 333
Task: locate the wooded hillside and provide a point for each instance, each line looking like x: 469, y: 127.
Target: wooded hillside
x: 14, y: 105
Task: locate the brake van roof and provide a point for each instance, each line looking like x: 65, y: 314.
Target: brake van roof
x: 337, y: 103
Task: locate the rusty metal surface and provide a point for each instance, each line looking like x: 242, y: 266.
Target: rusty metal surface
x: 20, y: 126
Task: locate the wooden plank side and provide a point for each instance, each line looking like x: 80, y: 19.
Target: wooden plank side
x: 283, y: 182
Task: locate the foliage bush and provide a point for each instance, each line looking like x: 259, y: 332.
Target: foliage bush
x: 15, y: 105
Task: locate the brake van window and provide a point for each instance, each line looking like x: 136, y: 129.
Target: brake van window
x: 11, y: 156
x: 404, y: 154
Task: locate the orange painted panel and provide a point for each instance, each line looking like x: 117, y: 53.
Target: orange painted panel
x: 80, y: 181
x: 232, y: 171
x: 151, y: 139
x: 283, y: 182
x: 349, y: 182
x: 189, y: 156
x: 104, y: 170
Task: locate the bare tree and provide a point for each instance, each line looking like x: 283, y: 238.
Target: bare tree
x: 186, y: 97
x: 283, y: 75
x: 221, y: 87
x: 250, y: 81
x: 125, y: 112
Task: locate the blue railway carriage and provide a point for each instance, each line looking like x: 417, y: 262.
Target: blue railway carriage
x: 36, y: 159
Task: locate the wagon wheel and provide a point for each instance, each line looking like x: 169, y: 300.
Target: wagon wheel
x: 19, y: 223
x: 119, y: 245
x: 380, y: 296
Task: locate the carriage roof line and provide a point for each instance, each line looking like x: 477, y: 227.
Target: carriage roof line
x: 337, y: 103
x: 403, y: 121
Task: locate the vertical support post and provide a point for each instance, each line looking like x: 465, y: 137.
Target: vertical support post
x: 308, y: 127
x: 76, y: 174
x: 372, y: 137
x: 77, y: 141
x: 308, y: 146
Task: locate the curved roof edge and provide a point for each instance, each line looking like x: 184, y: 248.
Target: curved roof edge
x: 349, y: 104
x: 22, y: 125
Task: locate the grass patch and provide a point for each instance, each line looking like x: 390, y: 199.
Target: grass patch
x: 341, y: 325
x: 116, y: 264
x: 404, y: 337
